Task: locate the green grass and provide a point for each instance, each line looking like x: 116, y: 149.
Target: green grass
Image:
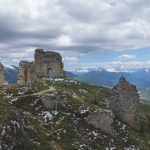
x: 72, y: 128
x: 26, y: 89
x: 88, y: 94
x: 145, y: 119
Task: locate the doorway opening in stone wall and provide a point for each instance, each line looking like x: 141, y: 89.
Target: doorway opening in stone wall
x: 50, y: 73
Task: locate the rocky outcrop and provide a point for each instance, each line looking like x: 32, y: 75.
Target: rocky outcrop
x: 50, y: 101
x: 14, y: 132
x: 55, y: 100
x: 47, y: 64
x: 124, y: 102
x: 2, y: 80
x: 102, y: 119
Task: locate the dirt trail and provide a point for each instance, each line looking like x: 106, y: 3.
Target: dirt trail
x: 41, y: 92
x: 50, y: 89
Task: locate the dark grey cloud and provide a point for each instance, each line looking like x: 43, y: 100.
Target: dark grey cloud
x: 78, y: 26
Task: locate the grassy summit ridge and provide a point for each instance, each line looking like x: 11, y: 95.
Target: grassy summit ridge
x: 28, y: 123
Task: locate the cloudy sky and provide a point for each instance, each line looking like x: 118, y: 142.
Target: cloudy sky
x: 88, y: 33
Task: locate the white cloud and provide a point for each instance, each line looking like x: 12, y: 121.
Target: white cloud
x: 111, y: 69
x: 115, y: 66
x: 80, y: 25
x: 126, y: 56
x: 71, y: 60
x: 73, y: 26
x: 64, y: 40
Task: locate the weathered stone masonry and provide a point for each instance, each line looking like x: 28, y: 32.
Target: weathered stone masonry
x: 124, y: 102
x: 2, y: 79
x: 47, y: 64
x: 27, y: 72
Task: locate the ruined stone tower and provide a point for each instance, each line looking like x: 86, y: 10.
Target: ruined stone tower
x: 26, y: 72
x: 2, y: 79
x: 124, y: 102
x: 47, y: 64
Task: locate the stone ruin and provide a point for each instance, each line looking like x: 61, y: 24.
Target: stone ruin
x: 47, y: 64
x: 27, y: 72
x: 124, y: 102
x: 2, y: 79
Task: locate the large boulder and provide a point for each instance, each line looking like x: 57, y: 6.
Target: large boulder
x: 102, y: 119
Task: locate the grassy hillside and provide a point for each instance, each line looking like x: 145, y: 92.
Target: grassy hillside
x: 26, y: 122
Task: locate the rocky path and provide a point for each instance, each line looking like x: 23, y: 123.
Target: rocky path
x: 50, y: 89
x: 41, y: 92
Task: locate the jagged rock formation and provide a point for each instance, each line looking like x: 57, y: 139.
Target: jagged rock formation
x: 102, y: 119
x: 124, y: 102
x: 47, y: 64
x: 2, y: 80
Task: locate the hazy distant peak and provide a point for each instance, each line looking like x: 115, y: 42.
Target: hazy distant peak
x: 9, y: 66
x: 146, y: 70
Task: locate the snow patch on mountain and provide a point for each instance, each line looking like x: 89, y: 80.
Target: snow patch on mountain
x: 8, y: 66
x: 146, y: 70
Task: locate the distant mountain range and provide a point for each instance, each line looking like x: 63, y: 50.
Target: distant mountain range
x: 11, y: 73
x: 141, y: 77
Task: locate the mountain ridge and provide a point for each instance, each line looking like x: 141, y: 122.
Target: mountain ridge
x: 140, y: 77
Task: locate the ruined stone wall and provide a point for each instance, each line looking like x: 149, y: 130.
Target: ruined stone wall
x: 2, y: 79
x: 26, y: 72
x: 124, y: 102
x: 47, y: 64
x: 46, y: 60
